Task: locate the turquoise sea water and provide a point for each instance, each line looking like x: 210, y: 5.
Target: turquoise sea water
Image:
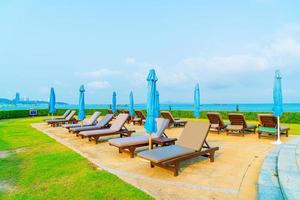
x: 291, y: 107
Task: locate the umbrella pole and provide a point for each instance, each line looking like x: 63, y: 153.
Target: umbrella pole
x: 150, y: 142
x: 278, y: 132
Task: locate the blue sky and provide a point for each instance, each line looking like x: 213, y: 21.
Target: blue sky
x: 231, y: 48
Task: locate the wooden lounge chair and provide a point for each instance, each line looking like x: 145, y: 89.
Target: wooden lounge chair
x: 239, y: 125
x: 90, y: 122
x: 103, y: 123
x: 268, y: 125
x: 131, y: 143
x: 140, y: 118
x: 192, y: 143
x: 117, y: 128
x: 173, y: 121
x: 61, y: 117
x: 68, y: 120
x: 129, y: 118
x: 216, y: 122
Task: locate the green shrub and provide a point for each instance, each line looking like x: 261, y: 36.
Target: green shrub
x: 288, y: 117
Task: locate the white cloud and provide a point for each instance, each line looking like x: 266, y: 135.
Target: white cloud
x: 130, y: 60
x: 98, y: 85
x: 99, y: 73
x: 285, y: 47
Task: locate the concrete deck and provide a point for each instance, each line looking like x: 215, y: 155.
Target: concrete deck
x: 233, y: 175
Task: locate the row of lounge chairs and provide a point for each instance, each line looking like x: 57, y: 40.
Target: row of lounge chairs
x: 238, y: 124
x: 140, y: 118
x: 192, y: 142
x: 67, y: 118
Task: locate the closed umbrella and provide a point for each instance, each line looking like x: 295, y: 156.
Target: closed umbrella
x: 131, y: 104
x: 278, y: 102
x: 197, y: 101
x: 114, y: 102
x: 81, y: 114
x: 157, y: 106
x: 150, y: 124
x: 52, y: 102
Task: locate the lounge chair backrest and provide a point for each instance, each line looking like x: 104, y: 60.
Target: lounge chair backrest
x: 126, y: 111
x: 215, y: 118
x: 94, y: 117
x: 194, y: 135
x: 161, y: 125
x: 109, y: 111
x: 105, y: 120
x: 66, y: 114
x: 167, y: 115
x: 267, y: 120
x: 71, y: 115
x: 119, y: 122
x: 140, y: 114
x: 237, y: 119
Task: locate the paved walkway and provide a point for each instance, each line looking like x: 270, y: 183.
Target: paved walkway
x: 233, y: 175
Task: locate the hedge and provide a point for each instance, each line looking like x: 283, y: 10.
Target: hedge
x: 288, y: 117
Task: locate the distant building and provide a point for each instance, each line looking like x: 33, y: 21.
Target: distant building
x: 17, y: 98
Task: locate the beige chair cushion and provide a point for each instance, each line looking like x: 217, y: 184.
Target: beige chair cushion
x: 194, y: 135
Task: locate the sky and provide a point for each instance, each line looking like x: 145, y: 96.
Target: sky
x: 231, y: 48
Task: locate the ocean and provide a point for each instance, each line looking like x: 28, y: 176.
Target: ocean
x: 263, y: 107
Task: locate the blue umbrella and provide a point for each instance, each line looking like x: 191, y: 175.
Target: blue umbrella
x: 197, y: 101
x: 52, y: 102
x: 114, y: 102
x: 81, y: 114
x: 131, y: 104
x: 278, y: 102
x: 150, y: 124
x: 157, y: 107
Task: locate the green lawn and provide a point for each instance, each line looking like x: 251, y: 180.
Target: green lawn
x: 45, y: 169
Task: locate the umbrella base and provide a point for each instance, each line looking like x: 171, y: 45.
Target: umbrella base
x: 278, y: 142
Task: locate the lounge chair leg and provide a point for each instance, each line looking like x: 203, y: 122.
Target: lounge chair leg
x: 212, y: 156
x: 131, y: 150
x: 120, y: 150
x: 151, y: 165
x: 176, y: 169
x: 96, y: 140
x: 287, y: 134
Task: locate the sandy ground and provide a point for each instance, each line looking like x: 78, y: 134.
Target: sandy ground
x: 233, y: 175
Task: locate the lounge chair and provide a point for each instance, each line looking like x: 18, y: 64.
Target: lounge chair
x: 140, y: 118
x: 68, y: 120
x: 61, y: 117
x: 90, y: 122
x: 129, y: 118
x: 131, y: 143
x: 173, y: 121
x: 216, y: 122
x: 239, y: 125
x: 117, y: 128
x: 103, y: 123
x: 192, y: 143
x: 268, y: 124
